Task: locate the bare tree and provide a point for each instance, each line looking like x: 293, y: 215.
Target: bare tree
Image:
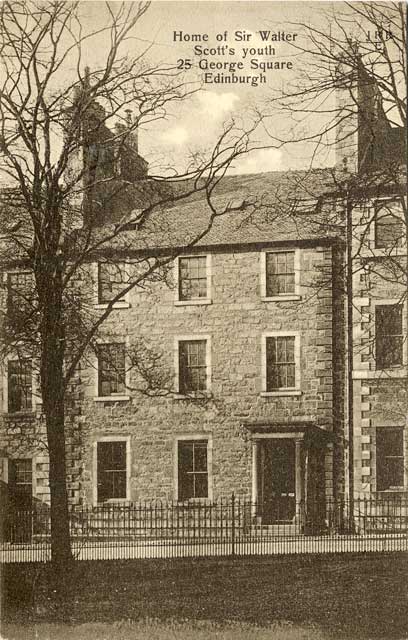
x: 78, y: 192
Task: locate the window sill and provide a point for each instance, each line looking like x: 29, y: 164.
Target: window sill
x: 374, y: 374
x: 188, y: 303
x: 383, y: 252
x: 118, y: 305
x: 281, y: 392
x: 194, y: 502
x: 391, y: 490
x: 29, y: 413
x: 112, y: 501
x: 289, y: 298
x: 117, y: 398
x: 196, y: 395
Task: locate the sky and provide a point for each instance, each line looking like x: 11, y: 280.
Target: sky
x: 252, y: 40
x: 230, y: 30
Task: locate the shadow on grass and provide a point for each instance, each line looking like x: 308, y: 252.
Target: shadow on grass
x: 348, y: 596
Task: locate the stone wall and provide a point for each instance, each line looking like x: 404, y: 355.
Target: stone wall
x: 235, y: 320
x: 379, y: 397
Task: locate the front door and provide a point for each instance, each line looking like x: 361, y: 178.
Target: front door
x: 278, y: 481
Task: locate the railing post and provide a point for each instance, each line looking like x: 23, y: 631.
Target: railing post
x: 233, y: 525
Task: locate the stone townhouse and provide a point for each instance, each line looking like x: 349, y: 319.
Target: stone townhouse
x: 252, y: 330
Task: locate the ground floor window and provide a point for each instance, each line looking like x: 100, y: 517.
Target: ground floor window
x: 20, y: 481
x: 111, y: 470
x: 192, y: 469
x: 390, y: 458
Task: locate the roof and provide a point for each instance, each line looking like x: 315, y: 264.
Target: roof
x: 244, y: 209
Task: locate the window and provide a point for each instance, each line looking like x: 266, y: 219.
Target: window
x: 193, y: 278
x: 19, y: 291
x: 390, y: 457
x: 19, y: 385
x: 388, y: 336
x: 192, y: 456
x: 192, y: 366
x: 111, y: 369
x: 280, y: 363
x: 388, y: 226
x: 21, y: 482
x: 280, y: 273
x: 111, y: 470
x: 111, y: 282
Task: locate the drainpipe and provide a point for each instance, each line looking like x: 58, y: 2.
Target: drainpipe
x: 350, y: 363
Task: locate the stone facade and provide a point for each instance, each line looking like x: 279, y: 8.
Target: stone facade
x: 379, y: 394
x: 235, y: 319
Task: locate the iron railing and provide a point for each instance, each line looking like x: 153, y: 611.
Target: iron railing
x: 228, y: 526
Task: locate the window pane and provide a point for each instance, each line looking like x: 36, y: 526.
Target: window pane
x: 192, y: 469
x: 192, y: 366
x: 280, y: 273
x: 389, y: 226
x: 201, y: 486
x: 19, y: 289
x: 186, y: 486
x: 200, y: 457
x: 19, y: 375
x: 20, y: 483
x: 388, y: 336
x: 280, y: 363
x: 389, y: 457
x: 111, y: 464
x: 185, y: 452
x: 111, y: 369
x: 192, y: 278
x: 111, y: 281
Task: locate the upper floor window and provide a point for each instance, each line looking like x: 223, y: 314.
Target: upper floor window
x: 111, y: 282
x: 281, y: 363
x: 192, y: 366
x: 390, y: 458
x: 193, y: 279
x: 111, y: 369
x: 19, y: 290
x: 280, y: 275
x: 192, y: 469
x: 19, y: 385
x: 388, y: 336
x: 111, y: 470
x: 389, y: 227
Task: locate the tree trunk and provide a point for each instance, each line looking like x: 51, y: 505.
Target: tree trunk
x: 52, y: 388
x: 60, y: 538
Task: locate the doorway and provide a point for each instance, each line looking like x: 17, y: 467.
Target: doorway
x: 278, y: 480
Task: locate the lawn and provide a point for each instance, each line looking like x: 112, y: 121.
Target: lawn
x: 286, y: 598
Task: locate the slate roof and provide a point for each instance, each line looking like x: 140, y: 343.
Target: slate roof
x: 247, y: 209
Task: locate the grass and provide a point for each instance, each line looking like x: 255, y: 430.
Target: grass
x: 293, y: 598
